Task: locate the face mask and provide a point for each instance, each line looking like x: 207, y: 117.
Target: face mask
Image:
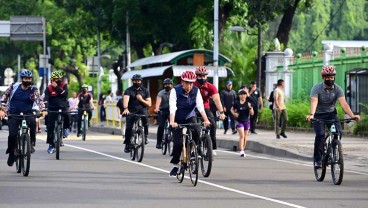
x: 201, y: 81
x: 137, y: 85
x: 329, y: 82
x: 84, y: 90
x: 167, y: 88
x: 26, y: 83
x: 58, y: 82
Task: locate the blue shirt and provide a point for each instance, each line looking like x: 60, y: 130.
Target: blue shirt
x: 21, y: 101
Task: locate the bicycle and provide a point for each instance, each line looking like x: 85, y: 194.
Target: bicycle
x: 23, y: 149
x: 189, y: 154
x: 73, y: 120
x: 84, y: 125
x: 58, y: 132
x: 167, y: 143
x: 137, y: 141
x: 333, y: 153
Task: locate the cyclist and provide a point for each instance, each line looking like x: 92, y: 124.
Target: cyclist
x: 20, y: 97
x: 209, y: 90
x: 136, y: 100
x: 183, y: 100
x: 84, y: 102
x: 162, y: 107
x: 56, y: 95
x: 74, y: 111
x: 323, y: 106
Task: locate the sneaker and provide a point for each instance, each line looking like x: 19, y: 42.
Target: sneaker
x: 51, y: 149
x: 283, y: 134
x: 158, y: 146
x: 174, y: 171
x: 225, y: 131
x: 79, y: 134
x: 317, y: 164
x: 32, y: 149
x: 146, y: 139
x: 277, y: 136
x: 11, y: 159
x: 214, y: 153
x: 39, y: 130
x: 242, y: 153
x: 65, y: 133
x: 253, y: 132
x: 126, y: 149
x: 234, y: 132
x: 61, y: 143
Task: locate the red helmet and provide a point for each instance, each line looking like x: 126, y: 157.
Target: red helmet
x: 328, y: 71
x: 188, y: 76
x: 201, y: 70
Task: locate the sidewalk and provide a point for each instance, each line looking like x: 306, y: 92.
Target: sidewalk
x: 298, y: 145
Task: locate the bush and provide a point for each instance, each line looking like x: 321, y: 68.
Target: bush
x: 361, y: 126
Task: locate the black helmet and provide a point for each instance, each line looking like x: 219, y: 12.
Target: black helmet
x: 137, y: 77
x: 168, y: 81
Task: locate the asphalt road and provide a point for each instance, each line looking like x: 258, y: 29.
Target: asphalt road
x: 96, y: 173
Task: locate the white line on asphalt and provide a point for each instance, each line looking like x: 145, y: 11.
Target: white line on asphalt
x: 200, y: 181
x: 286, y: 161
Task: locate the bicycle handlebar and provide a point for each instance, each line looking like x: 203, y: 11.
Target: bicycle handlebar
x: 139, y: 115
x: 346, y: 120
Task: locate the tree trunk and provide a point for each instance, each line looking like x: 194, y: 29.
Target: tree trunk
x: 286, y: 23
x: 75, y: 72
x: 119, y: 71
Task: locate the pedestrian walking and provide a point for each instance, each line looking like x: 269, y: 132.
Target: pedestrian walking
x: 228, y: 98
x: 280, y: 109
x: 257, y: 103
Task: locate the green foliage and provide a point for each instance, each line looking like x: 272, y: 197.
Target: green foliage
x: 361, y: 126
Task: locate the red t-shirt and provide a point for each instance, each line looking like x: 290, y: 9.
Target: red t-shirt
x: 207, y: 90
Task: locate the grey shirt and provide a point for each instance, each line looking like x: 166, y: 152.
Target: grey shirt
x: 164, y: 105
x: 326, y: 97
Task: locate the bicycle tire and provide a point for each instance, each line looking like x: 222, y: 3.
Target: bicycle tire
x: 57, y: 140
x: 140, y: 145
x: 133, y: 143
x: 320, y: 173
x: 164, y: 142
x: 26, y: 154
x: 1, y: 124
x: 207, y: 157
x: 193, y: 162
x: 18, y: 160
x: 170, y: 144
x: 337, y: 162
x: 84, y: 130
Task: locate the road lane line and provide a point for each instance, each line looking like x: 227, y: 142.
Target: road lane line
x: 200, y: 181
x: 287, y: 161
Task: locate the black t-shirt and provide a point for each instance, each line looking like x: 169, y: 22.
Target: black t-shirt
x: 254, y: 97
x: 242, y: 110
x: 134, y: 104
x: 119, y: 104
x: 84, y: 101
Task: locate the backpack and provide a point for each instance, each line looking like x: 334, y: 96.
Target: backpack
x: 271, y: 100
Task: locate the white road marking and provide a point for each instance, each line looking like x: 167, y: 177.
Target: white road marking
x: 200, y: 181
x: 288, y: 161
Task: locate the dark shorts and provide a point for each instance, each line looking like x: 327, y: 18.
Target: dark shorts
x: 245, y: 125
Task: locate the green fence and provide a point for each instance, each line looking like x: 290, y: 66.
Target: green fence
x: 308, y: 72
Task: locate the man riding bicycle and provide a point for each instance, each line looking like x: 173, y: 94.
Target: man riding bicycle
x: 56, y: 95
x: 162, y: 108
x: 84, y: 103
x: 183, y: 100
x: 20, y: 97
x: 323, y: 106
x: 136, y: 100
x: 209, y: 90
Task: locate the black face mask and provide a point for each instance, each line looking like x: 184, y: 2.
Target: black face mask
x: 201, y: 81
x: 26, y: 83
x: 137, y: 85
x: 84, y: 90
x: 58, y: 82
x: 329, y: 82
x: 167, y: 88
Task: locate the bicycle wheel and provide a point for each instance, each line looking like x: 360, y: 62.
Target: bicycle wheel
x: 18, y: 161
x: 1, y: 124
x: 164, y: 142
x: 84, y: 129
x: 57, y: 140
x: 133, y: 143
x: 26, y: 154
x: 170, y: 143
x: 320, y: 173
x: 337, y: 162
x: 140, y: 145
x: 193, y: 162
x: 206, y: 160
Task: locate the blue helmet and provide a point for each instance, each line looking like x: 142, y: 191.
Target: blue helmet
x: 26, y: 73
x: 168, y: 81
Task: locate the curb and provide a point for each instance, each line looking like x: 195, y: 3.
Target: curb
x: 232, y: 145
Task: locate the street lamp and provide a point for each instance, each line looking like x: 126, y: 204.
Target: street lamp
x: 259, y: 50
